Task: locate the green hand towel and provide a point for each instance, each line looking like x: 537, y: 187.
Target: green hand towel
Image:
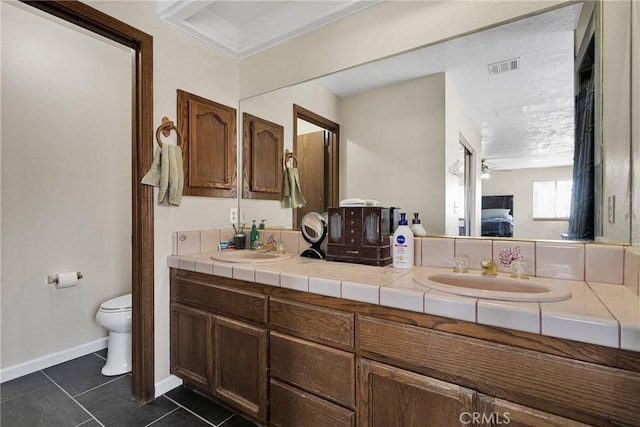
x: 166, y: 173
x: 292, y: 193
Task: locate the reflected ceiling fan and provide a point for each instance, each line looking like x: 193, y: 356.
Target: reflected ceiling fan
x: 484, y: 170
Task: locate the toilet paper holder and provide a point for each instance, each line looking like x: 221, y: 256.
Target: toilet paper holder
x: 54, y: 278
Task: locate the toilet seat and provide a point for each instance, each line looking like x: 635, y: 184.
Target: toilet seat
x: 117, y: 305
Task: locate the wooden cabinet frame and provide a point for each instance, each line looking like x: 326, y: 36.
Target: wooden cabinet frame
x: 403, y: 356
x: 209, y: 147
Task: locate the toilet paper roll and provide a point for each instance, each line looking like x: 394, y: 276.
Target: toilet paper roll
x: 67, y: 280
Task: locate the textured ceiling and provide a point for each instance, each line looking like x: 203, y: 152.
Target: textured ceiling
x: 525, y: 116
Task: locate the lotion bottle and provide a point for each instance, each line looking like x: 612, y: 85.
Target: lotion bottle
x: 403, y: 244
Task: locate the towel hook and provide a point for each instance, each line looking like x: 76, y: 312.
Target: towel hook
x: 289, y: 155
x: 166, y: 127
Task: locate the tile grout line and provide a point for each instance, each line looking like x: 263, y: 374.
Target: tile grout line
x: 164, y: 416
x: 190, y: 411
x: 99, y: 356
x: 72, y: 398
x: 231, y: 416
x: 98, y: 386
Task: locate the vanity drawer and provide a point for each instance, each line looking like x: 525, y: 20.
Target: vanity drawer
x: 318, y: 369
x: 220, y: 300
x: 323, y: 325
x: 291, y: 407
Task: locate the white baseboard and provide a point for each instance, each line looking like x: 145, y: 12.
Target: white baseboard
x: 16, y: 371
x: 167, y: 384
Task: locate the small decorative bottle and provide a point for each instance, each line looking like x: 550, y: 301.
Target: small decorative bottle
x: 253, y: 236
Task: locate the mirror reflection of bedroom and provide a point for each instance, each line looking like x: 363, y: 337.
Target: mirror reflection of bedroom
x: 521, y: 196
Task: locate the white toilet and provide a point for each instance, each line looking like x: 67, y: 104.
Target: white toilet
x: 115, y: 315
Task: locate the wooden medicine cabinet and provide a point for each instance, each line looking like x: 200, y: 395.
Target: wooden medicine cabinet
x: 209, y: 146
x: 262, y: 146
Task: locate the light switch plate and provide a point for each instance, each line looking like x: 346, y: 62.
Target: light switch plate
x: 611, y: 211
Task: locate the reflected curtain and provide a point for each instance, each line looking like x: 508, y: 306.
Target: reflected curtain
x: 581, y: 218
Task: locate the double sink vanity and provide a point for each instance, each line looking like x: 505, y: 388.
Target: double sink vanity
x: 292, y: 341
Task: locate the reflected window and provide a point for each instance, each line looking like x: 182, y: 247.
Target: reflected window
x: 552, y: 199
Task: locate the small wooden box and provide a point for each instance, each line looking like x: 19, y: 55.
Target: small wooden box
x: 360, y: 235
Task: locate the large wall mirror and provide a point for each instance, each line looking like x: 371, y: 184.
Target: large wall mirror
x: 444, y: 129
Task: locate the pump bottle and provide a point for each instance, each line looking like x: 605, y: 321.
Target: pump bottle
x: 416, y: 227
x: 253, y: 236
x: 402, y: 244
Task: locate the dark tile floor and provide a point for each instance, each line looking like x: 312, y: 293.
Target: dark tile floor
x: 76, y: 394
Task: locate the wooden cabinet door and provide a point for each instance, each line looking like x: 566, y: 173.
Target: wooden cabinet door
x: 191, y: 355
x: 209, y: 151
x: 391, y: 396
x: 262, y: 146
x: 492, y: 411
x: 240, y: 352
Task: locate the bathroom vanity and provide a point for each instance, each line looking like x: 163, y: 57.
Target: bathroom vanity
x: 287, y: 357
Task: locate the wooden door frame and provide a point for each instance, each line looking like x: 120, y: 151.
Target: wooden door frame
x: 334, y: 156
x: 142, y: 381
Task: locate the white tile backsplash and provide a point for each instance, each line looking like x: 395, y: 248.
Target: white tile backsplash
x: 603, y: 279
x: 476, y: 250
x: 632, y: 269
x: 209, y: 240
x: 527, y: 250
x: 604, y: 263
x: 438, y: 252
x: 187, y: 242
x: 560, y: 260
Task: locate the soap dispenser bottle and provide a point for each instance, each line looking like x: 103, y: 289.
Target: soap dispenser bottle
x: 403, y: 244
x: 253, y: 236
x: 416, y: 227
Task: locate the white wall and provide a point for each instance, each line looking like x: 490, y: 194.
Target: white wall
x: 180, y: 62
x: 616, y: 109
x: 519, y: 183
x: 392, y: 148
x: 382, y: 30
x: 635, y: 124
x: 66, y: 173
x: 277, y: 107
x: 459, y: 122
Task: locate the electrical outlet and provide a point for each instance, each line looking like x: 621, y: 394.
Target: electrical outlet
x: 243, y: 216
x: 233, y: 216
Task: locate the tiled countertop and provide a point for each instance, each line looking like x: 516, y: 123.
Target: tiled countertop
x: 598, y: 313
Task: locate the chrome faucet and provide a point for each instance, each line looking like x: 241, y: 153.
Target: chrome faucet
x: 489, y: 268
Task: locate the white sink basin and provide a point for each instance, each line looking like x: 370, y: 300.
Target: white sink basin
x: 492, y: 287
x: 249, y: 256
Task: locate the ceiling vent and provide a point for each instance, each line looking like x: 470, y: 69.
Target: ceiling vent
x: 504, y: 66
